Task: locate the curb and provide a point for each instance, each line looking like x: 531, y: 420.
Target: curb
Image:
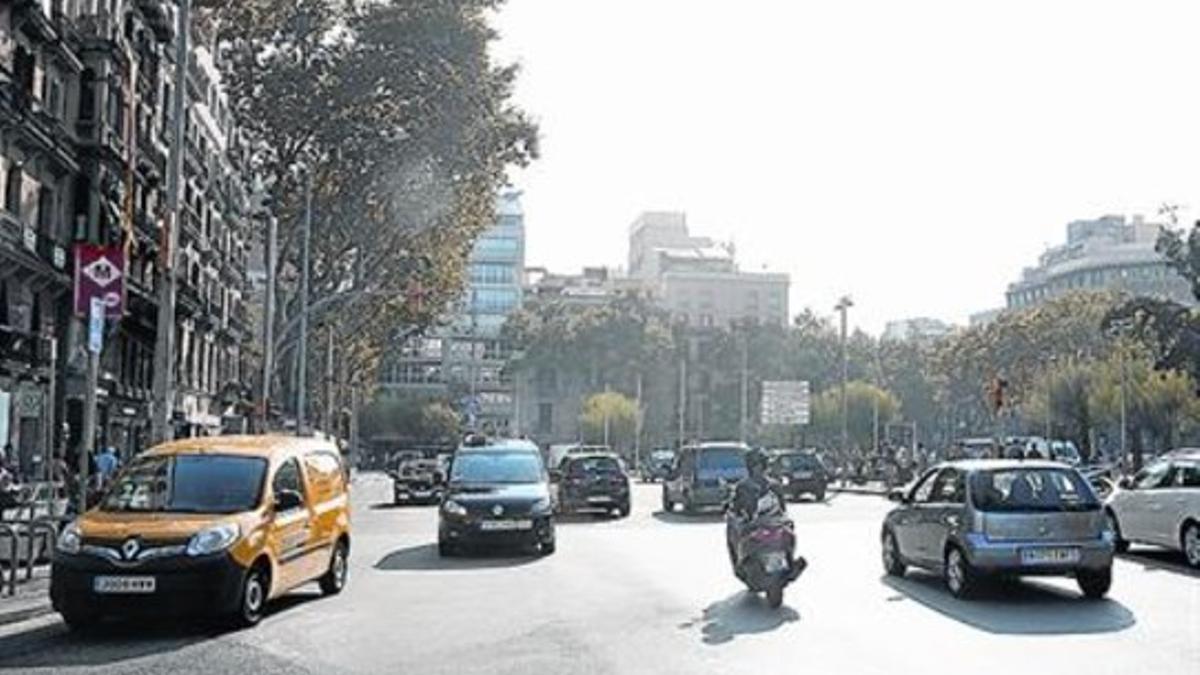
x: 29, y: 610
x: 859, y: 490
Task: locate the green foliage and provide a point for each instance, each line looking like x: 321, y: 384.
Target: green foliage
x: 416, y: 420
x: 406, y: 126
x: 862, y: 401
x: 618, y: 411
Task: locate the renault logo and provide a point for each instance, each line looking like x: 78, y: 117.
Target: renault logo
x: 130, y: 549
x: 497, y: 510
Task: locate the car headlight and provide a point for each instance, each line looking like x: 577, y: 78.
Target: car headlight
x: 70, y: 540
x: 213, y: 539
x: 542, y: 505
x: 785, y: 480
x: 453, y: 508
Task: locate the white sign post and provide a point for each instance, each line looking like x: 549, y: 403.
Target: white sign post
x: 786, y: 402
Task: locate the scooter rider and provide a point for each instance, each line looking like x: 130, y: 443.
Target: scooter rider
x: 751, y: 501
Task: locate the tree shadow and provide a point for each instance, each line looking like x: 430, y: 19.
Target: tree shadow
x: 699, y: 518
x: 1016, y: 607
x: 425, y: 558
x: 743, y: 613
x: 1160, y: 560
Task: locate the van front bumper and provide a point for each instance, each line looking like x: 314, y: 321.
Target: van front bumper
x: 1005, y: 557
x: 182, y: 586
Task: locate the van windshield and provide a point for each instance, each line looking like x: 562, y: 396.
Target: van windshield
x: 497, y: 467
x: 188, y: 484
x: 1032, y: 490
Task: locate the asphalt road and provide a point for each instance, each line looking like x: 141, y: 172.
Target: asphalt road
x: 653, y: 594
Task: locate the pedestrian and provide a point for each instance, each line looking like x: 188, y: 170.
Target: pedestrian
x: 107, y: 464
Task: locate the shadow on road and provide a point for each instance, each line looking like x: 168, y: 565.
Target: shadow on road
x: 425, y: 558
x: 701, y: 518
x: 1018, y: 607
x: 1159, y: 560
x: 742, y: 613
x: 388, y: 506
x: 585, y: 517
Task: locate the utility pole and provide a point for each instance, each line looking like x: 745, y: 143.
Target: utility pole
x: 269, y: 323
x: 682, y: 400
x: 354, y: 453
x: 87, y: 445
x: 742, y: 420
x: 1124, y: 376
x: 49, y: 454
x: 637, y: 431
x: 164, y: 345
x: 842, y: 306
x: 328, y: 417
x: 607, y: 425
x: 302, y: 355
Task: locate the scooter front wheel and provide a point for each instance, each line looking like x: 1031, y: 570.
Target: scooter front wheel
x: 775, y: 594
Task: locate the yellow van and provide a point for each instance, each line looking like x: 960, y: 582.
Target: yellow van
x: 215, y: 525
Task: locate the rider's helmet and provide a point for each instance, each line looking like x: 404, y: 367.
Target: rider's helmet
x: 756, y: 461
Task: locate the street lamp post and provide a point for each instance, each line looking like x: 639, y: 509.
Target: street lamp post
x: 842, y: 306
x: 302, y: 357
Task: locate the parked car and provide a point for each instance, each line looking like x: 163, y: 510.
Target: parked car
x: 657, y: 464
x: 418, y: 481
x: 595, y: 482
x: 975, y: 519
x: 703, y: 476
x: 498, y: 494
x: 216, y: 525
x: 799, y: 473
x: 1160, y: 506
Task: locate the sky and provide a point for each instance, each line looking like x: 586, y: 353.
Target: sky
x: 914, y: 155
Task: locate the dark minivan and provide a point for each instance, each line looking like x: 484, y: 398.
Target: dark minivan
x: 703, y: 476
x: 498, y: 494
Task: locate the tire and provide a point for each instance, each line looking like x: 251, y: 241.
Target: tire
x: 79, y: 621
x: 775, y: 594
x: 893, y: 565
x: 339, y: 569
x: 1190, y: 540
x: 623, y: 511
x: 547, y: 548
x: 819, y: 495
x: 256, y: 588
x: 667, y: 505
x: 688, y: 507
x: 446, y: 549
x: 1094, y: 584
x: 961, y: 579
x: 1120, y: 544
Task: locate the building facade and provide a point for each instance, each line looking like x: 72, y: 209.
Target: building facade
x: 1108, y: 253
x: 85, y: 121
x: 919, y: 329
x: 464, y: 360
x: 697, y: 279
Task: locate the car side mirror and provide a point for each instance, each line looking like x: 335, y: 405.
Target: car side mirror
x: 286, y: 500
x: 897, y: 495
x: 1126, y: 483
x: 555, y: 476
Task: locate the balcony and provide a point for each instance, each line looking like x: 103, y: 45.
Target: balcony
x: 98, y: 29
x: 36, y: 24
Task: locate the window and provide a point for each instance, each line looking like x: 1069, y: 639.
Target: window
x: 495, y: 245
x: 492, y: 273
x: 46, y: 214
x: 545, y: 420
x: 12, y: 190
x: 494, y: 300
x: 288, y: 478
x: 1187, y: 474
x: 948, y: 488
x: 1153, y: 476
x: 924, y: 490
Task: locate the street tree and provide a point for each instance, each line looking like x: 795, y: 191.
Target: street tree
x: 612, y: 411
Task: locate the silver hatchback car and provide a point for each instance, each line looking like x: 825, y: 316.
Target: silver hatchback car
x: 978, y: 518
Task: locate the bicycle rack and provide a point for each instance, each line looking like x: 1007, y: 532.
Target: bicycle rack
x: 7, y: 530
x: 50, y: 528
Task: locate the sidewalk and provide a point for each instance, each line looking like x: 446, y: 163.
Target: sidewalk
x: 868, y: 489
x: 32, y: 599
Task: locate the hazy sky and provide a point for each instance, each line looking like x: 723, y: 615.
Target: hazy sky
x: 914, y: 154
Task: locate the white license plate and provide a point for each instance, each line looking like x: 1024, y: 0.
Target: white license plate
x: 774, y: 562
x: 1049, y: 556
x: 132, y: 585
x: 503, y: 525
x: 801, y: 475
x: 599, y: 500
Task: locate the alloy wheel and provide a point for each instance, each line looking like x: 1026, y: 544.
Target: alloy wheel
x: 1191, y: 544
x: 955, y: 574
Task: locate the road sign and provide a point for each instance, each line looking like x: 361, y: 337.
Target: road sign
x: 96, y: 326
x: 785, y: 402
x: 100, y: 273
